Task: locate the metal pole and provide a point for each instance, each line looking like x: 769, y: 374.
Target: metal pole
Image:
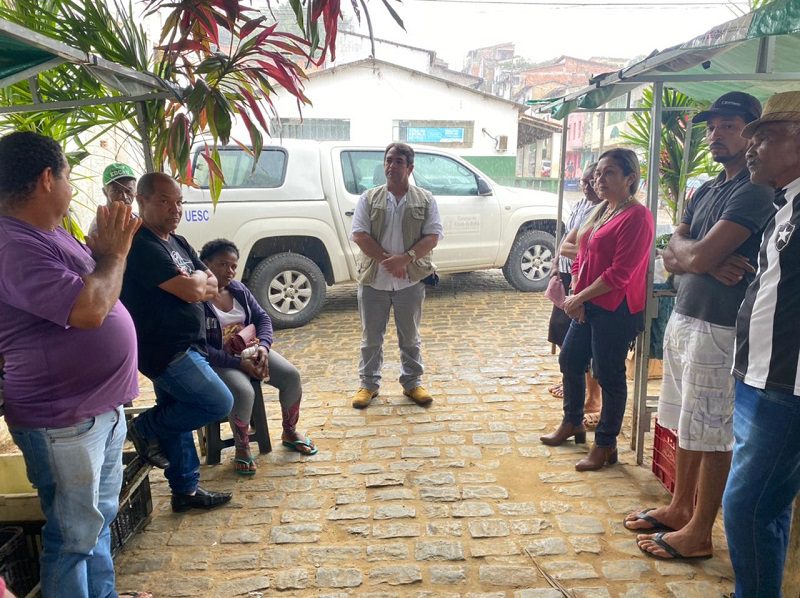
x: 561, y: 170
x: 680, y: 204
x: 641, y: 417
x: 143, y: 131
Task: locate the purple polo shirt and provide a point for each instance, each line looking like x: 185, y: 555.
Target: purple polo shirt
x: 57, y: 375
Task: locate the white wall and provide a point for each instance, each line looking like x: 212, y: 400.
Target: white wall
x: 373, y: 97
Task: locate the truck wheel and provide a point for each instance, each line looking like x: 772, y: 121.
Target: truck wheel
x: 290, y: 287
x: 530, y: 261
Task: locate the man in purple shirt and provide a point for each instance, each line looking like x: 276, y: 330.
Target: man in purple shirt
x: 70, y: 360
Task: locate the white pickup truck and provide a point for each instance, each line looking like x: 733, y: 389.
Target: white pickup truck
x: 291, y: 217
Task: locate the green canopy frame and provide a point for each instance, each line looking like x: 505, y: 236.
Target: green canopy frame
x: 25, y: 53
x: 758, y: 53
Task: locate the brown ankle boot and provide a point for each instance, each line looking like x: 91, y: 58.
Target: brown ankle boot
x: 597, y: 458
x: 564, y: 432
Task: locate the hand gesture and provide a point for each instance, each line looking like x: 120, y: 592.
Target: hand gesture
x: 575, y: 309
x: 249, y: 367
x: 261, y: 360
x: 732, y: 269
x: 396, y: 265
x: 116, y: 226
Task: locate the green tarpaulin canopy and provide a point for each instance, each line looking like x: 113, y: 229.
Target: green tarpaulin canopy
x: 25, y: 53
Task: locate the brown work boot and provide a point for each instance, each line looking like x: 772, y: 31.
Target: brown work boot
x: 363, y: 397
x: 419, y: 395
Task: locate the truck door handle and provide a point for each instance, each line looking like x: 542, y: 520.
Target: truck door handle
x: 349, y: 213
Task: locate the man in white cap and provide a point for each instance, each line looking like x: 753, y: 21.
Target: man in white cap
x: 765, y: 473
x: 119, y: 184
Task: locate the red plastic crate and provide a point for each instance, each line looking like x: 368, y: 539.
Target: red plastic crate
x: 665, y: 444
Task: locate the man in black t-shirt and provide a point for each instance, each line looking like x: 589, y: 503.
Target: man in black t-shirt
x: 713, y: 255
x: 164, y: 288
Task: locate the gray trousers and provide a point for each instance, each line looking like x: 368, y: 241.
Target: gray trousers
x: 373, y: 307
x: 282, y: 375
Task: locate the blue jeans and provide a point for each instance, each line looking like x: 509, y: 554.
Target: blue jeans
x: 77, y: 472
x: 762, y: 484
x: 604, y: 339
x: 189, y: 395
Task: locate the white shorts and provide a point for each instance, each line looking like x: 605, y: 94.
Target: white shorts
x: 697, y: 388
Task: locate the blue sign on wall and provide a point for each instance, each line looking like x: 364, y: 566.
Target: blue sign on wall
x: 435, y: 134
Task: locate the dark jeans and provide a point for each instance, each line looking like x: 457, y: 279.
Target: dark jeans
x: 189, y: 395
x: 603, y: 338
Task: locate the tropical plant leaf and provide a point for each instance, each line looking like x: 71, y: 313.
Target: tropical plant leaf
x: 676, y: 127
x: 222, y: 80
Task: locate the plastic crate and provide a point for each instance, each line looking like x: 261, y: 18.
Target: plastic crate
x: 135, y: 506
x: 135, y: 502
x: 19, y: 560
x: 665, y: 444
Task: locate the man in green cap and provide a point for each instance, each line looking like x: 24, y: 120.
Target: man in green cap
x: 119, y: 184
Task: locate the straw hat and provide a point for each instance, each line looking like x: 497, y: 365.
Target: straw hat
x: 780, y: 107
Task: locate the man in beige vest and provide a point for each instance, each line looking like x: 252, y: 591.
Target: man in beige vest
x: 396, y: 226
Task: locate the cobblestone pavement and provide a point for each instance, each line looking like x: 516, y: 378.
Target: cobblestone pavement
x: 459, y: 499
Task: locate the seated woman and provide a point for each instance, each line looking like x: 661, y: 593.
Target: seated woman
x: 229, y: 312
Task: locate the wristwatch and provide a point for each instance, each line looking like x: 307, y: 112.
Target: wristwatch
x: 412, y: 254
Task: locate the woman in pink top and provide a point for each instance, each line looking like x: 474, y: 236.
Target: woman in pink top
x: 607, y: 305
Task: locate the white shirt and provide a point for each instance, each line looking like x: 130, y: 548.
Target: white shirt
x: 226, y: 318
x: 392, y: 238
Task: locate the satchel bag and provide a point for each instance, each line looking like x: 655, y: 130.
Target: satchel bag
x: 555, y: 292
x: 246, y: 337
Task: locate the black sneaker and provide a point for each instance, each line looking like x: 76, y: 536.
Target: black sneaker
x: 201, y: 499
x: 148, y: 448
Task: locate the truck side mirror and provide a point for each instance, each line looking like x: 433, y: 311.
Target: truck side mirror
x: 483, y: 187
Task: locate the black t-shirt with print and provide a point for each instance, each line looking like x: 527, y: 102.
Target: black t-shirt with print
x: 166, y: 325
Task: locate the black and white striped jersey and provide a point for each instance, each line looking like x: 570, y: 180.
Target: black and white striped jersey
x: 768, y: 325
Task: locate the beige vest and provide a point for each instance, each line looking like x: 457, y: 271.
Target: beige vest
x: 418, y: 202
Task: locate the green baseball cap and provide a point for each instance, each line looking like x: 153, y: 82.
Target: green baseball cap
x: 115, y: 171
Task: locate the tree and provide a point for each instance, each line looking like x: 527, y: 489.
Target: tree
x: 224, y: 58
x: 674, y: 173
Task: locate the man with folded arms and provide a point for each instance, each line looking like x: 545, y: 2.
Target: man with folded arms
x: 712, y: 253
x: 164, y: 288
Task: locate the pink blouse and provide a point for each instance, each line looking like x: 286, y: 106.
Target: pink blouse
x: 618, y: 253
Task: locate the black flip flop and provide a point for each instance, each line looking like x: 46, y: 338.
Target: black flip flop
x: 655, y: 524
x: 674, y: 554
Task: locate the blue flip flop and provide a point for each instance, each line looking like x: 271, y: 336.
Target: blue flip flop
x: 655, y: 524
x: 295, y: 444
x: 659, y: 540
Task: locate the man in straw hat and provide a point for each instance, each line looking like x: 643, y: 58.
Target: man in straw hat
x: 765, y: 472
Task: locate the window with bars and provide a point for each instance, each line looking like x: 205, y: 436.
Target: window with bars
x: 318, y: 129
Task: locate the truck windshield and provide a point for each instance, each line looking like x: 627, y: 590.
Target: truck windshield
x: 237, y: 168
